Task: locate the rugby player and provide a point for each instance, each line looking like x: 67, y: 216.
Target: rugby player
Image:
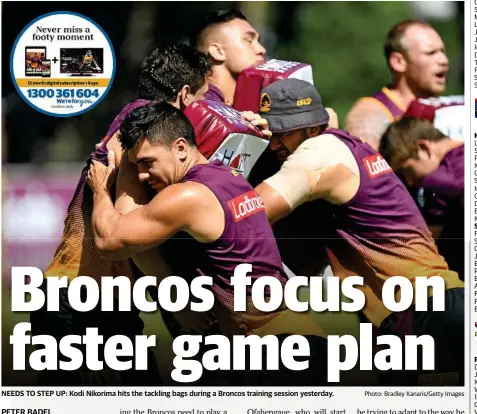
x: 428, y: 159
x: 89, y: 62
x: 201, y: 199
x: 177, y: 74
x: 416, y: 57
x: 377, y: 230
x: 232, y: 45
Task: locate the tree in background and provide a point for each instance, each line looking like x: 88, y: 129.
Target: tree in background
x: 344, y: 44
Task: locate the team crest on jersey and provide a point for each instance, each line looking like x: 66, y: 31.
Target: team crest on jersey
x: 245, y: 205
x: 376, y: 165
x: 265, y: 102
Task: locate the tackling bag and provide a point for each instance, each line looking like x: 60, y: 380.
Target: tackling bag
x: 223, y: 134
x: 447, y: 113
x: 251, y: 81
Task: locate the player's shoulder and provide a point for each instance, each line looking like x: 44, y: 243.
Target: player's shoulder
x: 319, y: 142
x: 180, y: 193
x: 178, y: 201
x: 366, y: 106
x: 317, y: 152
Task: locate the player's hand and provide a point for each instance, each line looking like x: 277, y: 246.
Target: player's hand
x: 195, y: 322
x: 258, y: 121
x: 333, y: 122
x: 101, y: 177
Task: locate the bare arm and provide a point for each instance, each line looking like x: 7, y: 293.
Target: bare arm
x: 119, y: 236
x: 368, y: 120
x: 130, y: 195
x: 130, y: 192
x: 188, y: 206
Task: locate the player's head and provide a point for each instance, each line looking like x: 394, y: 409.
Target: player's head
x: 294, y: 111
x: 416, y: 54
x: 409, y: 146
x: 174, y: 73
x: 229, y: 40
x: 160, y: 140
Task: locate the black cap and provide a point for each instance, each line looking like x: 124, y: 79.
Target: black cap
x: 291, y: 104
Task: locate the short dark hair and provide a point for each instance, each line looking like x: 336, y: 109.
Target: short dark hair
x: 211, y: 21
x: 157, y: 122
x: 168, y: 68
x: 399, y: 141
x: 393, y: 42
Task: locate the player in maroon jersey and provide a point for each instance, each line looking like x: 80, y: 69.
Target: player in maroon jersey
x: 212, y: 204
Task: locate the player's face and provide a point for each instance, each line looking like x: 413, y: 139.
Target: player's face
x: 286, y: 143
x: 157, y: 165
x: 415, y: 169
x: 427, y: 63
x: 241, y: 45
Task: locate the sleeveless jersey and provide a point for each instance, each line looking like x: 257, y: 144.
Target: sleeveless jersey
x: 247, y: 238
x: 380, y: 232
x: 389, y: 102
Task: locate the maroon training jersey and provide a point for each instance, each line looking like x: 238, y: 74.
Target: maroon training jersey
x: 214, y: 94
x: 380, y: 232
x: 386, y: 98
x: 247, y: 238
x: 444, y: 206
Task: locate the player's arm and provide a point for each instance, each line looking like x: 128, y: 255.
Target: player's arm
x: 130, y: 195
x: 276, y: 206
x: 368, y: 120
x: 130, y: 192
x: 286, y: 190
x: 321, y: 168
x: 119, y: 236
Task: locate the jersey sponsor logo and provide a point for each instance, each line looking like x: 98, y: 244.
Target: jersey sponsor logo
x: 246, y: 205
x: 376, y: 165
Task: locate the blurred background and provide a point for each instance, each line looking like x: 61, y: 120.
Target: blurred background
x: 43, y: 155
